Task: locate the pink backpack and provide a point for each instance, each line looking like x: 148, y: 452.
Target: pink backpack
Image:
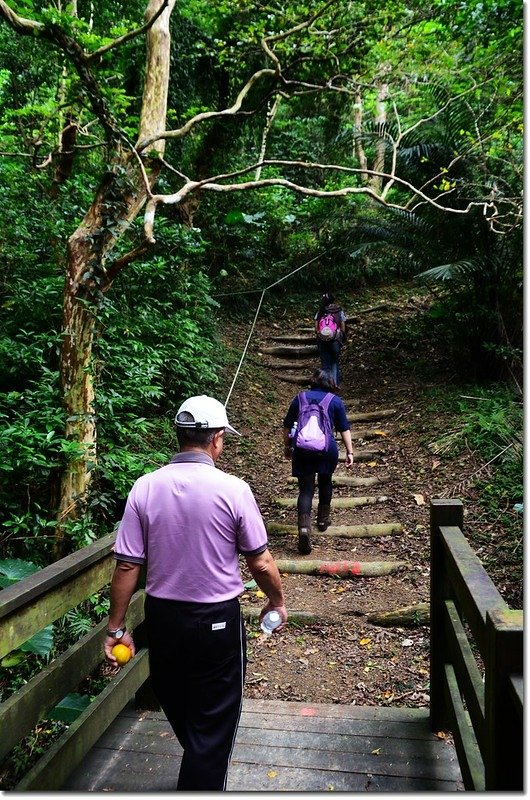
x: 327, y: 328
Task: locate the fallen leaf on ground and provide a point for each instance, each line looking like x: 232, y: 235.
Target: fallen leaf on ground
x: 420, y: 500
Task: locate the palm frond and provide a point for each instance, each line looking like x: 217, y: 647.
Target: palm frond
x: 449, y: 272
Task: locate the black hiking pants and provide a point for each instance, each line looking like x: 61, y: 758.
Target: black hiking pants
x: 197, y: 658
x: 306, y: 490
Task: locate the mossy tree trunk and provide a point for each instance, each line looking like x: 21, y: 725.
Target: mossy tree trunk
x: 89, y: 273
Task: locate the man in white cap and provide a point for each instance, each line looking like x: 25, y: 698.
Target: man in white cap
x: 188, y: 522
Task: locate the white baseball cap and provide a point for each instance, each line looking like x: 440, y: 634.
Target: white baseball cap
x: 207, y: 412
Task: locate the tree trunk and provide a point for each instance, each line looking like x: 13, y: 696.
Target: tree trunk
x: 357, y: 136
x: 380, y: 148
x: 119, y: 199
x: 271, y: 113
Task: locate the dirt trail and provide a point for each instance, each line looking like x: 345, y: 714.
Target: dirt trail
x: 342, y: 657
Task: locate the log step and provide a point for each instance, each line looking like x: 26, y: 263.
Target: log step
x: 368, y: 433
x: 302, y: 338
x: 346, y: 480
x: 336, y: 502
x: 339, y: 569
x: 251, y: 614
x: 364, y: 455
x: 290, y: 352
x: 369, y: 416
x: 295, y: 365
x: 299, y: 380
x: 419, y: 614
x: 346, y: 531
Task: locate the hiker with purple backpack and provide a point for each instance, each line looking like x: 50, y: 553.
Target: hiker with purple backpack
x: 308, y: 436
x: 330, y: 330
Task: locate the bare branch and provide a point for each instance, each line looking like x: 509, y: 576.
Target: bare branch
x: 280, y: 36
x: 113, y: 270
x: 214, y: 184
x: 231, y: 111
x: 19, y: 24
x: 127, y: 36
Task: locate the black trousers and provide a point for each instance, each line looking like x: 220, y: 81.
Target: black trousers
x: 306, y: 490
x: 197, y: 657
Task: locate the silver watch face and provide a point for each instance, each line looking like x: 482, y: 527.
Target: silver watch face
x: 119, y: 633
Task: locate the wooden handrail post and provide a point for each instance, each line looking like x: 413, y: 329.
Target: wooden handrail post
x: 446, y: 513
x: 504, y: 725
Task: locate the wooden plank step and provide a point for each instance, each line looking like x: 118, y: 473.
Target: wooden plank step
x: 282, y: 746
x: 347, y: 531
x: 336, y: 502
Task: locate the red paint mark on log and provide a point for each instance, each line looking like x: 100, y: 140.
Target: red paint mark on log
x: 340, y: 567
x: 307, y: 712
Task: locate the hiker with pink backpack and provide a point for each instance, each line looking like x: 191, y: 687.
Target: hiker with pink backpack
x: 330, y: 330
x: 308, y: 436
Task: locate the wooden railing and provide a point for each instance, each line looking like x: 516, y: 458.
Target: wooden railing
x: 476, y: 659
x: 26, y: 608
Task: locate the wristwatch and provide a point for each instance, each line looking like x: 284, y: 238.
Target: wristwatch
x: 117, y: 634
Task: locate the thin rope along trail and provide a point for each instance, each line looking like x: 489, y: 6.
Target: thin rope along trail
x: 263, y: 291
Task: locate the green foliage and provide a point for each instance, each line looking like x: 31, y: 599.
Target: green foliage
x: 29, y: 750
x: 41, y: 643
x: 156, y: 336
x: 489, y: 422
x: 70, y: 708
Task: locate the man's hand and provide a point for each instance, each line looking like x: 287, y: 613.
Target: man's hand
x: 282, y: 611
x: 110, y: 642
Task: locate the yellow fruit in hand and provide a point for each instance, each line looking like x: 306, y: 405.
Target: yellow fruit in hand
x: 121, y: 653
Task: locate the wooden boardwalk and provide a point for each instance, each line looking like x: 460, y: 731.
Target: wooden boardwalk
x: 283, y: 746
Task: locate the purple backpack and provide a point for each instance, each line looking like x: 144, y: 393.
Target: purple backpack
x: 314, y: 433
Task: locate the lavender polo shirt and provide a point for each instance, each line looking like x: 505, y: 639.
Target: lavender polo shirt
x: 189, y: 521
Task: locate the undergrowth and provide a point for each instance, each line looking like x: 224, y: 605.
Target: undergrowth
x: 489, y: 423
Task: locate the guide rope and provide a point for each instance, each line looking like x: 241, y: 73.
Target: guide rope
x: 263, y: 291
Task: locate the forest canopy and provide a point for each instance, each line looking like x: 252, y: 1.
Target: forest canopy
x: 154, y: 156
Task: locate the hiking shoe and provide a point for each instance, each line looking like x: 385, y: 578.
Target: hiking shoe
x: 304, y: 534
x: 304, y: 542
x: 323, y: 517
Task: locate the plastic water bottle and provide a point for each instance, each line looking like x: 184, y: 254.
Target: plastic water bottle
x: 292, y: 435
x: 270, y: 621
